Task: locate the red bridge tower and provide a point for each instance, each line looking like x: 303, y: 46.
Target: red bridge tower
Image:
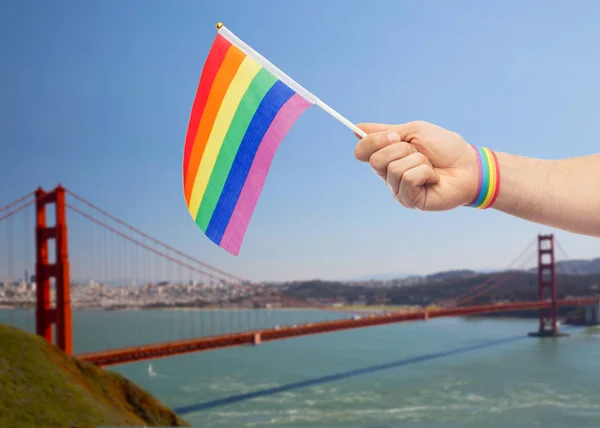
x: 45, y: 270
x: 547, y: 280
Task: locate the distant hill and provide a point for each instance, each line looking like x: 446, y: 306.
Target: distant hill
x: 576, y: 267
x: 566, y: 267
x: 40, y: 386
x: 429, y: 277
x: 451, y: 274
x: 379, y: 277
x: 520, y: 286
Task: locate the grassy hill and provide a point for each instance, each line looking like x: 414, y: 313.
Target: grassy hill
x: 42, y: 386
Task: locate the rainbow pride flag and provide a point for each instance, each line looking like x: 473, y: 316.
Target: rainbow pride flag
x: 244, y: 107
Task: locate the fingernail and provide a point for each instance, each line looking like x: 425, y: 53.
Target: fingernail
x: 393, y: 137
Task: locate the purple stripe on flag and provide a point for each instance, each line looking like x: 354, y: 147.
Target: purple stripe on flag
x: 282, y: 123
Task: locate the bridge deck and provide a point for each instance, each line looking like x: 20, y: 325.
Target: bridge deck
x: 139, y: 353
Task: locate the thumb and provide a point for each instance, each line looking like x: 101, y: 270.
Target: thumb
x: 370, y: 128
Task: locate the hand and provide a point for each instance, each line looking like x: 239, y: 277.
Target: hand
x: 426, y: 167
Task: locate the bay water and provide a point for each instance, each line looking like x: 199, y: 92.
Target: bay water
x: 441, y: 373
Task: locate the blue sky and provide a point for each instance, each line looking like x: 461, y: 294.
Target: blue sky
x: 97, y: 95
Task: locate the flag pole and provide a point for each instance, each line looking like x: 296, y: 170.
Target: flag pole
x: 295, y: 86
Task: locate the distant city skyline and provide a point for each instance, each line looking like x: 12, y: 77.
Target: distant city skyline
x: 97, y: 97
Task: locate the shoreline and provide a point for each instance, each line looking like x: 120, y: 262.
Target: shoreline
x: 169, y: 308
x: 363, y: 311
x: 166, y: 308
x: 358, y: 310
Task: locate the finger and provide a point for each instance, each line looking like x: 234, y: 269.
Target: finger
x: 412, y: 191
x: 406, y: 130
x: 366, y: 131
x: 374, y: 142
x: 396, y: 169
x: 380, y: 160
x: 371, y: 128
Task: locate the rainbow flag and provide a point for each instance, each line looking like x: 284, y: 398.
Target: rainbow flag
x: 244, y: 107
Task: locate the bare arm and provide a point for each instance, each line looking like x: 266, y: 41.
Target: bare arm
x: 560, y: 193
x: 432, y: 169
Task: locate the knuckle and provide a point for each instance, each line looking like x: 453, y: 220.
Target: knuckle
x: 406, y: 149
x: 419, y: 125
x: 395, y: 169
x: 368, y: 146
x: 376, y: 161
x: 399, y: 198
x: 360, y: 151
x: 420, y: 158
x: 406, y: 200
x: 411, y: 177
x: 414, y: 129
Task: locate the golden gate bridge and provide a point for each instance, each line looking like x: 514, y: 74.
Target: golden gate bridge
x: 96, y: 246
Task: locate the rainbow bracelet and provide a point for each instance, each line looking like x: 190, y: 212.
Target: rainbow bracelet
x: 489, y: 178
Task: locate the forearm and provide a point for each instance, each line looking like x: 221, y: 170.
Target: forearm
x: 558, y: 193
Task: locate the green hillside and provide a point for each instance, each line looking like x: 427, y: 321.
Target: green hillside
x: 40, y: 386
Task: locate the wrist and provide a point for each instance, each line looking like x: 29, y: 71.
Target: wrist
x: 488, y: 178
x: 522, y: 182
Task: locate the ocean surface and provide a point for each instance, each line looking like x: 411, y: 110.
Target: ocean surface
x: 447, y: 373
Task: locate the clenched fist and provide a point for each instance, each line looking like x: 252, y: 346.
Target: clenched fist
x: 426, y: 167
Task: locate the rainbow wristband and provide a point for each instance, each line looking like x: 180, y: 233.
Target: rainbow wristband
x: 489, y: 178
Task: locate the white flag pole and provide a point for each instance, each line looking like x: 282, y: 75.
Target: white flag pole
x: 295, y: 86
